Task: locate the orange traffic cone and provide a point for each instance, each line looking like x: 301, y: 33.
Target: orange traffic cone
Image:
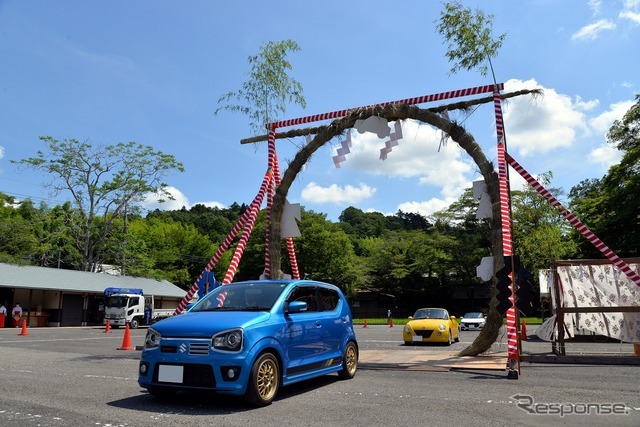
x: 108, y: 328
x: 365, y: 323
x: 636, y: 349
x: 126, y: 341
x: 391, y: 323
x: 523, y: 331
x: 24, y: 328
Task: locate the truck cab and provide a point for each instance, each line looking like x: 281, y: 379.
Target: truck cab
x: 124, y: 306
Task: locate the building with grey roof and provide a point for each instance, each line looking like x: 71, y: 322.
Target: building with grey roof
x: 55, y: 297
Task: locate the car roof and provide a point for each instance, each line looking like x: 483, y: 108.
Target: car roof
x: 288, y: 282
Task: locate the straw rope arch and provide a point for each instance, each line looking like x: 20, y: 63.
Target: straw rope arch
x: 395, y: 112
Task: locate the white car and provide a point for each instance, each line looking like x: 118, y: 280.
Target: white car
x: 473, y: 321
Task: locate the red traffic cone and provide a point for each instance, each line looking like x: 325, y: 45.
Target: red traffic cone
x: 523, y: 331
x: 108, y: 328
x: 365, y: 323
x: 24, y: 328
x: 391, y: 323
x: 126, y: 341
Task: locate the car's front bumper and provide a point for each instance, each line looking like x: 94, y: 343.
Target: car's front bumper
x: 471, y: 326
x: 425, y: 336
x: 185, y: 366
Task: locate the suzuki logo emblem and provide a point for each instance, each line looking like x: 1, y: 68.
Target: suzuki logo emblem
x: 183, y: 348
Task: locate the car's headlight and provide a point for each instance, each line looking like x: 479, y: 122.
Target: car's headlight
x: 407, y: 328
x: 230, y: 340
x: 152, y: 340
x: 442, y: 327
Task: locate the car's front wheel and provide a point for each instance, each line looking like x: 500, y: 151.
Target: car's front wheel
x: 134, y: 324
x: 264, y: 380
x: 349, y: 362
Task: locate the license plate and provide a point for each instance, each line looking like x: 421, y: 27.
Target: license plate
x: 170, y: 373
x: 417, y: 338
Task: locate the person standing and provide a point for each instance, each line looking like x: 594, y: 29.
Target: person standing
x: 389, y: 317
x: 3, y: 315
x: 17, y: 314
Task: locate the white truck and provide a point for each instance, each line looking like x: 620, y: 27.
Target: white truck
x: 130, y: 306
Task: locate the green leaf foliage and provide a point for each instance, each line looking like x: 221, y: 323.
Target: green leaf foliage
x: 269, y: 88
x: 468, y: 35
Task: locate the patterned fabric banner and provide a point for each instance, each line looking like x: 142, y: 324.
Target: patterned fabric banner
x: 601, y: 285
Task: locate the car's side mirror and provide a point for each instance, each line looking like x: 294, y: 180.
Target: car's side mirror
x: 296, y: 307
x: 410, y: 317
x: 453, y: 317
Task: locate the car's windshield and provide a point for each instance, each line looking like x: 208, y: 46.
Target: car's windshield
x: 241, y: 296
x: 473, y: 316
x: 430, y: 313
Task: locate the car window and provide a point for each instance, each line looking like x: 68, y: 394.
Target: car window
x: 241, y: 296
x: 328, y: 299
x: 431, y: 314
x: 306, y: 294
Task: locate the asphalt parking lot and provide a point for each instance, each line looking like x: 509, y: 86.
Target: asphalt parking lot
x: 80, y: 376
x: 381, y: 347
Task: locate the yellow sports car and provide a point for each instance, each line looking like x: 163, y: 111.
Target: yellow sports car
x: 431, y: 325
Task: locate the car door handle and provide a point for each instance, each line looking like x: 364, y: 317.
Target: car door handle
x: 318, y: 324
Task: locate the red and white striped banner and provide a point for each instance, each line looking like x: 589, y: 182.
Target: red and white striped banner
x: 513, y: 351
x: 272, y: 161
x: 408, y: 101
x: 221, y: 250
x: 576, y: 223
x: 275, y: 165
x: 246, y: 233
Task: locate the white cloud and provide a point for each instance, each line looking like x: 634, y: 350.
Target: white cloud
x: 334, y: 194
x: 602, y: 123
x: 542, y: 124
x: 427, y: 207
x: 594, y: 5
x: 631, y: 16
x: 516, y: 181
x: 586, y: 105
x: 211, y: 204
x: 150, y: 201
x: 592, y: 31
x: 605, y: 155
x: 416, y: 156
x: 1, y: 151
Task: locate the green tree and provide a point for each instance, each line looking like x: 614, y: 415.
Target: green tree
x: 326, y: 253
x: 469, y: 38
x: 166, y: 249
x: 362, y: 224
x: 540, y: 234
x: 469, y: 237
x: 269, y: 88
x: 17, y: 241
x: 609, y: 206
x: 625, y: 134
x: 58, y: 231
x: 103, y: 183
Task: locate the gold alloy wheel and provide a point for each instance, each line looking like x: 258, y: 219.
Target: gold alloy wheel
x: 349, y: 362
x: 267, y: 379
x: 351, y: 359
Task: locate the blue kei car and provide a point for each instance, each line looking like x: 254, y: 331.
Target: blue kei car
x: 250, y: 338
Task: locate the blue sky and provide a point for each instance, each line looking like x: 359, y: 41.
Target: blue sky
x: 152, y: 72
